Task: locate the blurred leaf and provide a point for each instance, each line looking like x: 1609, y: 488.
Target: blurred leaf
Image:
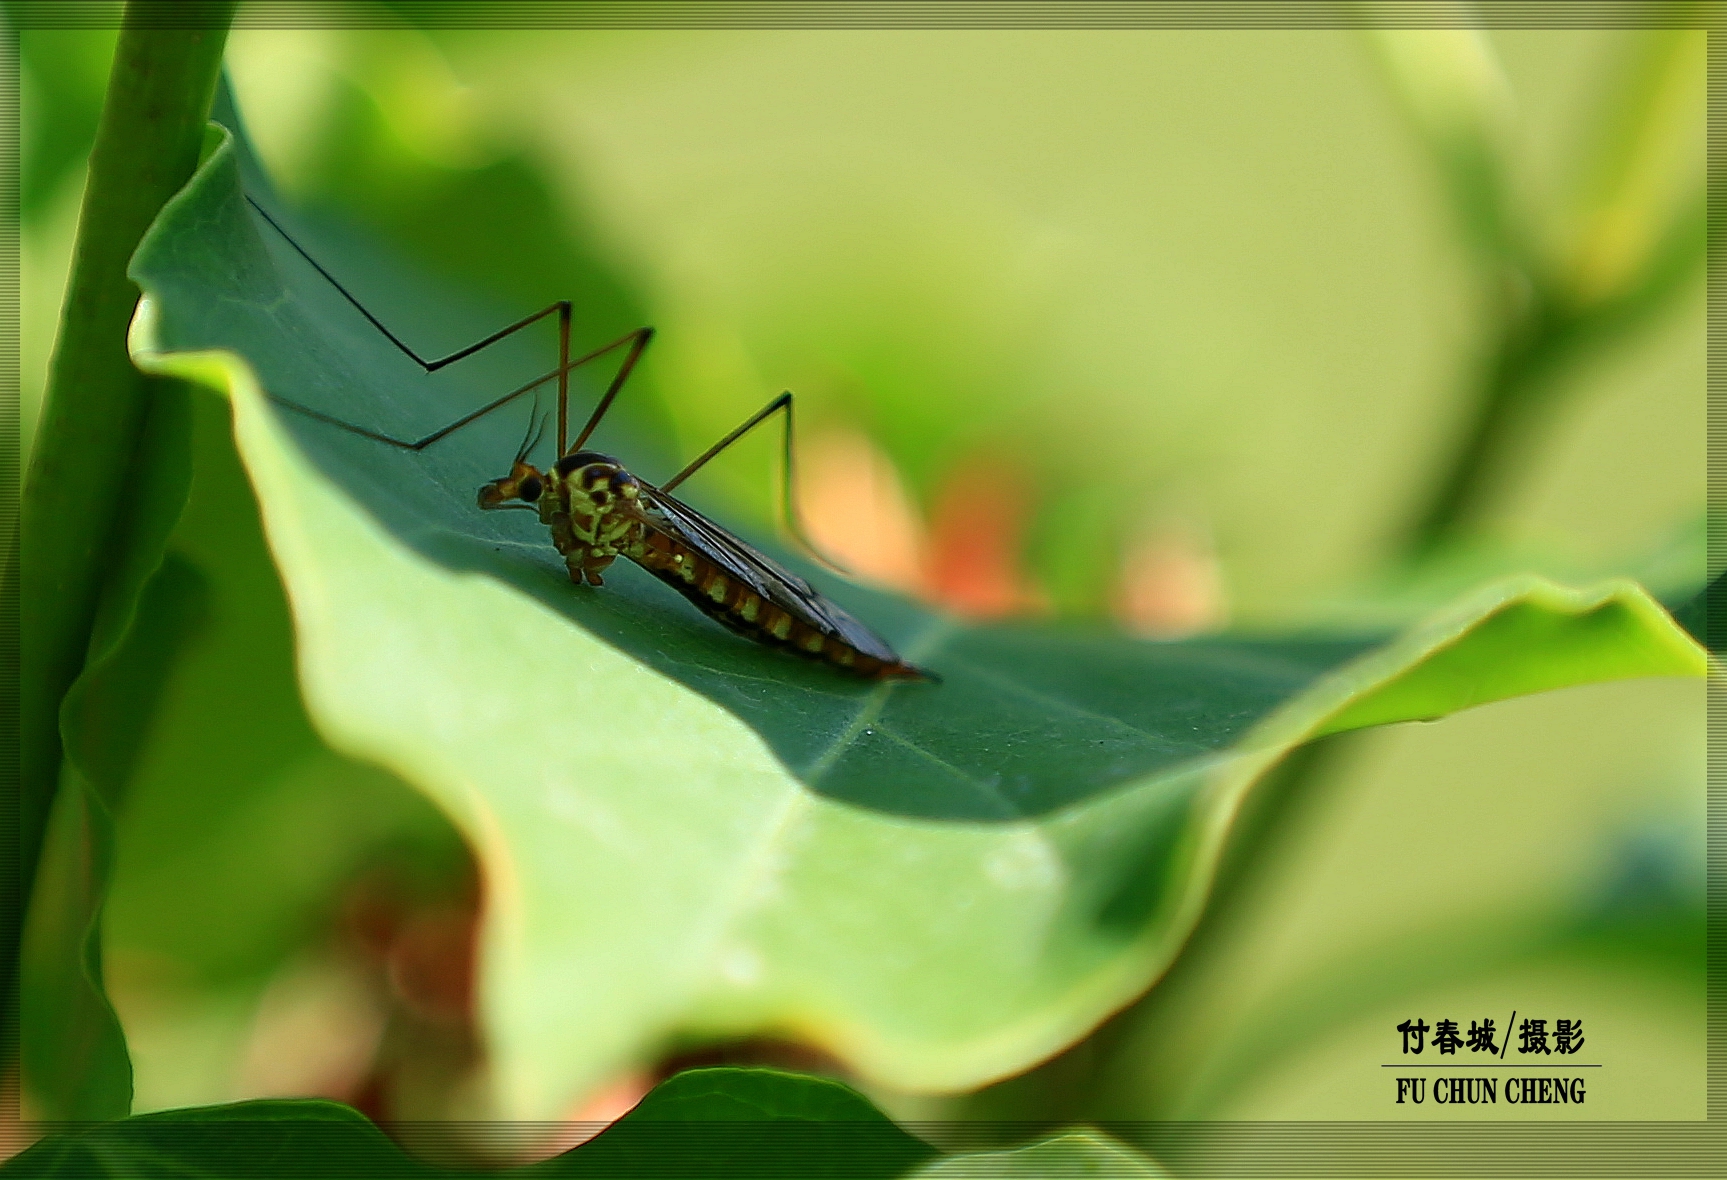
x: 517, y: 242
x: 1400, y: 594
x: 728, y: 1122
x: 1700, y: 614
x: 757, y: 843
x: 74, y: 1053
x: 228, y: 824
x: 1455, y: 94
x: 726, y: 1094
x: 235, y: 790
x: 1660, y: 935
x: 704, y: 1123
x: 64, y: 71
x: 241, y: 829
x: 266, y: 1138
x: 1644, y: 173
x: 1073, y: 1153
x: 1641, y: 241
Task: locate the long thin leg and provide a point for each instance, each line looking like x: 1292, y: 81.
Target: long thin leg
x: 561, y: 373
x: 562, y: 307
x: 641, y: 336
x: 788, y: 508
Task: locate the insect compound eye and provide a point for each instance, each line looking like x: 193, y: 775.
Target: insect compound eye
x: 530, y: 488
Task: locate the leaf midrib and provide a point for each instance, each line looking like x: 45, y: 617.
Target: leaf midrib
x: 918, y: 650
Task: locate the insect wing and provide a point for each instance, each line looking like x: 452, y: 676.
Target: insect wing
x: 759, y: 572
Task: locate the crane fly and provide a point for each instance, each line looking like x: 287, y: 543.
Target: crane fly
x: 598, y: 510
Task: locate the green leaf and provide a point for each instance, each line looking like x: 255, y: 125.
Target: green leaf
x: 1070, y: 1154
x: 64, y: 71
x: 1642, y: 180
x: 1452, y: 89
x: 241, y: 836
x: 74, y: 1052
x: 702, y: 1123
x: 1694, y: 614
x: 729, y: 1094
x: 730, y: 1122
x: 685, y: 834
x: 270, y: 1137
x: 1399, y: 594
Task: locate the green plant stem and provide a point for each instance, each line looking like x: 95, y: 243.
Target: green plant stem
x: 1535, y: 337
x: 1510, y: 377
x: 146, y: 148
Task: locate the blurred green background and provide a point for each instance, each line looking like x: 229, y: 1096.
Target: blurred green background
x: 1184, y: 317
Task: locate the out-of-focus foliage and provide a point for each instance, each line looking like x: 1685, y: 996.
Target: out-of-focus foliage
x: 706, y: 1123
x: 1075, y: 1153
x: 60, y: 82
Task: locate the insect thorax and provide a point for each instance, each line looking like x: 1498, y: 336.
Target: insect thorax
x: 591, y: 512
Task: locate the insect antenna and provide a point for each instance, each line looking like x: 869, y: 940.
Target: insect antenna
x: 536, y: 431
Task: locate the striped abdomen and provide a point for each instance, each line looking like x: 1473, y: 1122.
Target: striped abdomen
x: 730, y: 602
